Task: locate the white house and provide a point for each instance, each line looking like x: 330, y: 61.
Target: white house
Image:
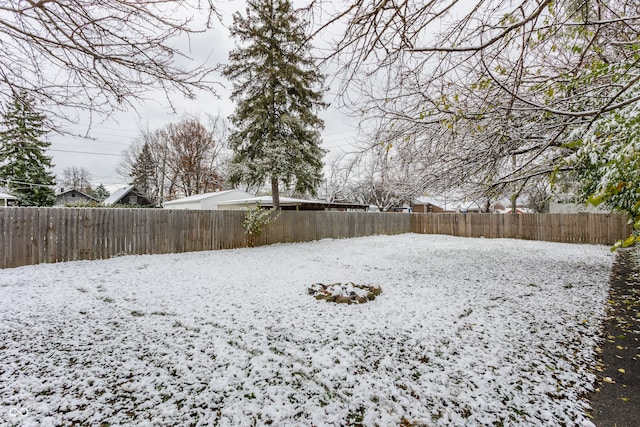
x: 561, y: 207
x: 207, y: 201
x: 8, y: 199
x: 260, y: 201
x: 289, y: 203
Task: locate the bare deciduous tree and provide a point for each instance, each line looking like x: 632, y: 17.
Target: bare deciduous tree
x: 493, y: 91
x: 76, y: 178
x: 180, y: 159
x: 387, y: 171
x: 98, y: 56
x: 339, y: 175
x: 191, y: 158
x: 538, y: 193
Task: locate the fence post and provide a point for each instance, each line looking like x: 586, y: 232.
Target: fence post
x: 34, y: 235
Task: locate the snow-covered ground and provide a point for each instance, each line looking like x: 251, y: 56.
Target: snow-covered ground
x: 466, y: 332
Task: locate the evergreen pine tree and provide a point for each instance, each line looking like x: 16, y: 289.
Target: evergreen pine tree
x: 276, y: 131
x: 24, y: 167
x: 143, y: 173
x: 100, y: 192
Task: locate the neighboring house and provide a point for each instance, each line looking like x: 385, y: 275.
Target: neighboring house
x: 433, y: 204
x: 128, y: 196
x: 426, y: 204
x: 404, y: 208
x: 206, y: 201
x: 517, y: 211
x: 288, y: 203
x: 562, y: 207
x: 72, y: 197
x: 504, y: 205
x: 7, y: 199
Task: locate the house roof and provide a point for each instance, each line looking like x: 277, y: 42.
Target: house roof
x: 518, y: 210
x: 199, y: 197
x: 266, y: 200
x: 117, y: 195
x: 446, y: 203
x: 289, y: 201
x: 428, y: 200
x: 77, y: 191
x: 6, y: 196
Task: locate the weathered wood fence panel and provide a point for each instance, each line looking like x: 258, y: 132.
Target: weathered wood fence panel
x: 304, y: 226
x: 570, y: 228
x: 37, y: 235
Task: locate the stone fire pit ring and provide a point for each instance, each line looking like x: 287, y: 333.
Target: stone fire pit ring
x: 344, y: 293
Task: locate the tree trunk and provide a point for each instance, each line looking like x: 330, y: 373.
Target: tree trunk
x: 275, y: 193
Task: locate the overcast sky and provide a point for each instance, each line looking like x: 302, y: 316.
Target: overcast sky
x: 101, y: 153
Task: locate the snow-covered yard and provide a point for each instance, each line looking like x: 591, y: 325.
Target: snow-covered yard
x: 466, y: 332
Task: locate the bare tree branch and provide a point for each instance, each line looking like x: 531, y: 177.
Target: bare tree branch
x: 488, y: 93
x: 100, y: 56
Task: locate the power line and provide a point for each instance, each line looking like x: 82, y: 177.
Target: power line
x: 106, y: 177
x: 86, y: 152
x: 90, y: 129
x: 33, y: 148
x: 100, y: 141
x: 84, y: 147
x: 30, y: 184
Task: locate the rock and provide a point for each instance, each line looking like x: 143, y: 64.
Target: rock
x: 375, y: 289
x: 348, y: 293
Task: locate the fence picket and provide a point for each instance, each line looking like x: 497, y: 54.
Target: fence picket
x: 36, y: 235
x: 3, y: 239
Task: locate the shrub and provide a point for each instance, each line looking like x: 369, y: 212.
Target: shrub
x: 255, y: 221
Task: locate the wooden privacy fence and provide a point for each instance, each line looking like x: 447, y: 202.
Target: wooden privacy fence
x: 603, y: 229
x: 39, y: 235
x: 305, y: 226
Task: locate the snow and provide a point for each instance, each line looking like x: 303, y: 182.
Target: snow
x: 466, y: 332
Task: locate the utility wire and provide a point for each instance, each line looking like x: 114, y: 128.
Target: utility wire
x: 86, y: 152
x: 30, y: 184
